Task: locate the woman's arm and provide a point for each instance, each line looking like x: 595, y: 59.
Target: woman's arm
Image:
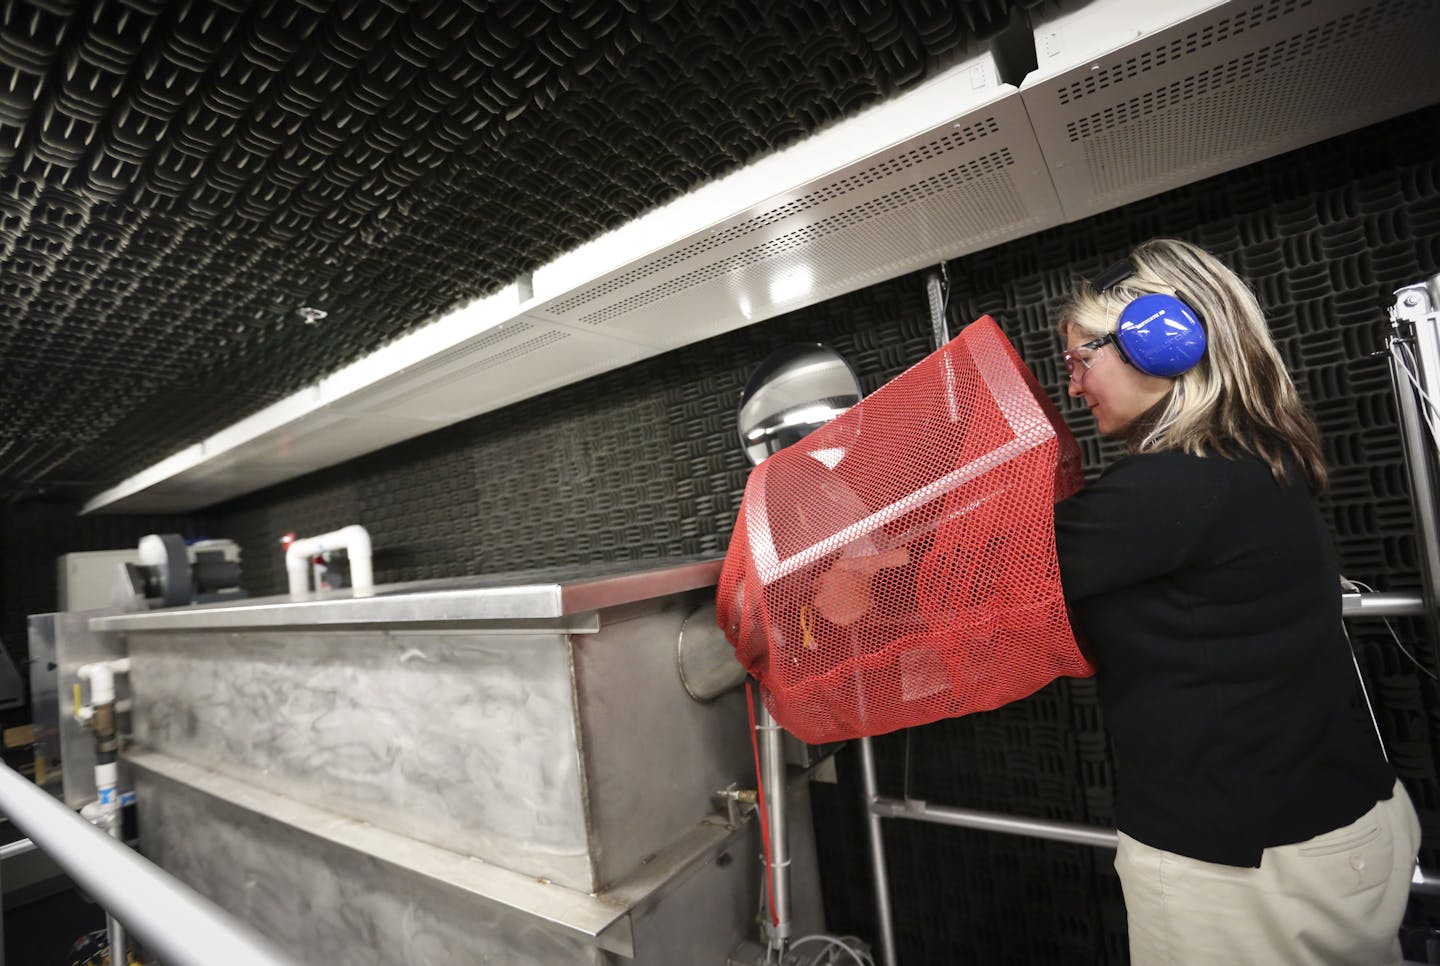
x: 1145, y: 517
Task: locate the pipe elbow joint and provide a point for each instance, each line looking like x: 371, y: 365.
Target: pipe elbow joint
x: 354, y: 539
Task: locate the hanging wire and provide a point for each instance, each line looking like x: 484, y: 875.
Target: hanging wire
x: 1408, y: 365
x: 850, y: 945
x: 945, y: 291
x: 1365, y: 692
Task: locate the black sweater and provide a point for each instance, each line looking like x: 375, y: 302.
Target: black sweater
x: 1209, y: 597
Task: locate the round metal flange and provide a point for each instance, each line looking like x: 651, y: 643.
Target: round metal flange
x: 705, y: 659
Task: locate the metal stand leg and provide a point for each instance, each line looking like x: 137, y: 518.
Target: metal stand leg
x: 877, y: 855
x: 772, y: 768
x: 116, y: 936
x: 114, y: 931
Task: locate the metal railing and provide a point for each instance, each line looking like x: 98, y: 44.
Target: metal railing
x: 878, y: 806
x: 176, y: 923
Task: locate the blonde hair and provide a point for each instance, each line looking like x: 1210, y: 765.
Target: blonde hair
x: 1240, y: 396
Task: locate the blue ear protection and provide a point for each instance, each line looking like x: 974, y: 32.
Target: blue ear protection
x: 1158, y: 334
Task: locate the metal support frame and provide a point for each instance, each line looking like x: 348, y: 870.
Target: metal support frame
x: 772, y: 766
x: 177, y: 924
x: 1425, y: 882
x: 871, y: 790
x: 115, y: 938
x: 1414, y: 347
x: 1417, y: 320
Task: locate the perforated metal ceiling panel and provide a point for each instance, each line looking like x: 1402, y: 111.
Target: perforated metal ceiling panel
x: 1120, y: 120
x: 436, y: 376
x: 523, y: 358
x: 948, y: 169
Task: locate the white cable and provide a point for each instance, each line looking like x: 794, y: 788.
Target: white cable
x: 1396, y: 636
x: 1384, y: 752
x: 856, y: 941
x: 761, y: 916
x: 856, y: 955
x: 1408, y: 365
x: 1412, y: 373
x: 831, y: 944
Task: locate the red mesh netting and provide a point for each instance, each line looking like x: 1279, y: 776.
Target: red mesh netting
x: 898, y: 565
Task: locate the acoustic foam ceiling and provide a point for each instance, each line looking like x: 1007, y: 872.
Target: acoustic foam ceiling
x: 177, y: 180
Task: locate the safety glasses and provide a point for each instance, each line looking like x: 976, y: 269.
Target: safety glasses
x: 1085, y: 354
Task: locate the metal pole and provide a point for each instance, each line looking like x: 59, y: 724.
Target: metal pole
x: 1427, y: 349
x: 14, y: 849
x: 884, y: 914
x: 177, y: 924
x: 1424, y: 882
x: 1377, y: 605
x: 115, y: 936
x: 1104, y: 838
x: 1413, y: 433
x: 1416, y: 309
x: 877, y: 855
x: 772, y: 768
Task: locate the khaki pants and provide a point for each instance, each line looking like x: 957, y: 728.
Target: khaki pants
x: 1335, y: 899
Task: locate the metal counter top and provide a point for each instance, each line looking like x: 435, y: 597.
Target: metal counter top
x: 548, y: 595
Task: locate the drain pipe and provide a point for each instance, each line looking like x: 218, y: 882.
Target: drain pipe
x: 99, y: 717
x: 354, y: 539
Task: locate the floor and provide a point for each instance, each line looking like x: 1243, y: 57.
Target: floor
x: 41, y: 933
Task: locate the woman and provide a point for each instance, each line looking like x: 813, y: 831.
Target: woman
x: 1259, y: 823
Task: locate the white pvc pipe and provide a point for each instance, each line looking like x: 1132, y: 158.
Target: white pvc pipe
x: 354, y: 539
x: 106, y: 812
x: 102, y: 682
x: 101, y: 676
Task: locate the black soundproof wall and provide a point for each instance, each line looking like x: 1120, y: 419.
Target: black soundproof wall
x: 643, y: 464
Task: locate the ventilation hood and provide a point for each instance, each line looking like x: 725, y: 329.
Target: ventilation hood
x: 1130, y: 98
